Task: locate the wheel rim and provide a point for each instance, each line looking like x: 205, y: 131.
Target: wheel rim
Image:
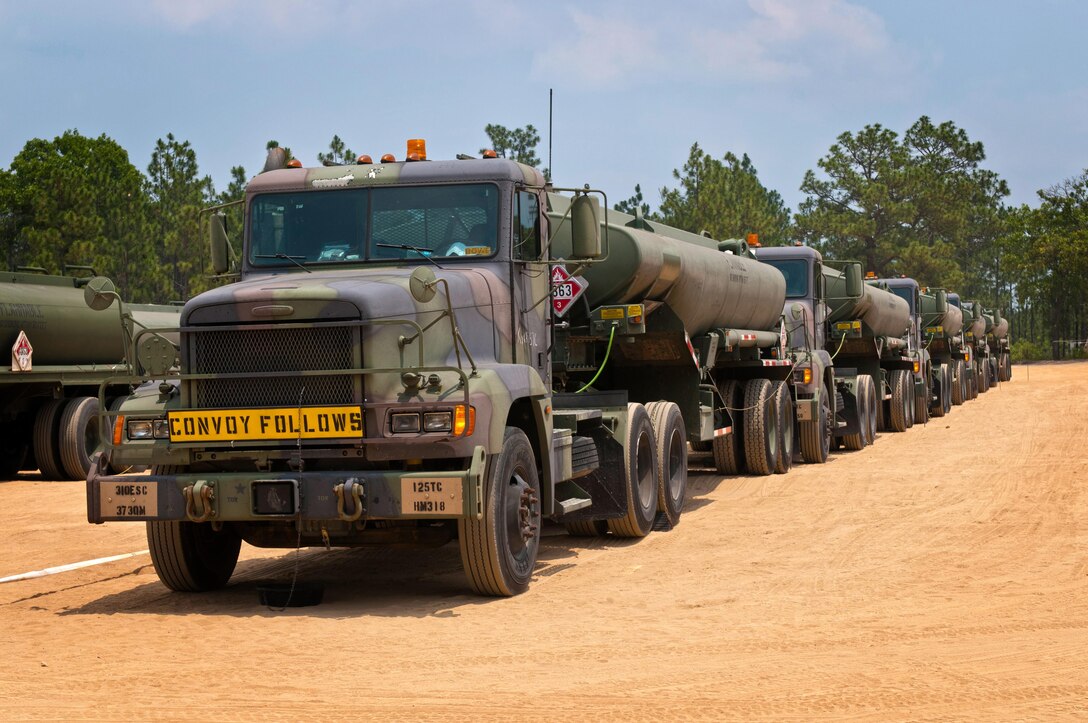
x: 522, y: 513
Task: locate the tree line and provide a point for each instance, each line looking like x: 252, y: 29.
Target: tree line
x: 921, y: 204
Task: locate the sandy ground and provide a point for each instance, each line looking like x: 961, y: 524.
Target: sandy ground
x: 941, y: 574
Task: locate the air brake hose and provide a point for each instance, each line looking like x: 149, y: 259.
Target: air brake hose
x: 608, y: 351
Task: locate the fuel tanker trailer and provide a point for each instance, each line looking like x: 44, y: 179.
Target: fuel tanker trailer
x: 997, y: 339
x: 974, y: 328
x: 62, y: 351
x: 927, y: 386
x: 942, y: 324
x: 428, y: 351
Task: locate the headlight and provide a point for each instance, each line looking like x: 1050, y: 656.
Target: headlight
x: 437, y: 422
x: 403, y: 422
x: 162, y: 429
x: 140, y: 429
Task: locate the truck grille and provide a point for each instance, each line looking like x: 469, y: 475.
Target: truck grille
x: 260, y: 351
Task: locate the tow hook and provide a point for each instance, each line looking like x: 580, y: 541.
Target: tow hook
x: 353, y: 489
x: 201, y: 491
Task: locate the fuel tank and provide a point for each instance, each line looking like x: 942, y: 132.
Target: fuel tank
x: 882, y: 311
x: 951, y: 321
x: 60, y: 326
x: 705, y: 287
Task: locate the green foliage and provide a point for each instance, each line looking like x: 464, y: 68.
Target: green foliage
x: 920, y: 206
x: 634, y: 203
x: 518, y: 144
x: 79, y: 201
x: 339, y: 154
x: 1026, y: 351
x: 724, y: 198
x: 177, y: 193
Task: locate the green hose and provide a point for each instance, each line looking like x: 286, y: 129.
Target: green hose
x: 611, y: 336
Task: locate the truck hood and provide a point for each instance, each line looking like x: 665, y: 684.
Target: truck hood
x: 342, y: 294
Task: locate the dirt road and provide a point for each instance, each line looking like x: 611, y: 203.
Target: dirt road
x: 941, y: 574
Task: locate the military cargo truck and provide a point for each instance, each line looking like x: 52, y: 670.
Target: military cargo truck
x: 942, y: 322
x: 997, y: 340
x: 411, y: 355
x: 61, y: 352
x: 928, y: 384
x: 845, y: 339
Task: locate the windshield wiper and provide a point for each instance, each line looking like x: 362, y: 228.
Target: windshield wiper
x: 425, y: 253
x: 292, y: 259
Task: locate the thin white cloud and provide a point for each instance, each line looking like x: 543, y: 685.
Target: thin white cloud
x: 602, y: 50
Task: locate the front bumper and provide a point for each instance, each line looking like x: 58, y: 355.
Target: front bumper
x: 255, y: 496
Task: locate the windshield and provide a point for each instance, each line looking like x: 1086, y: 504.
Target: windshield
x: 796, y: 273
x: 906, y: 293
x: 374, y: 224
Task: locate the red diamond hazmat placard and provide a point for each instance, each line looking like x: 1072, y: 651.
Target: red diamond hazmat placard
x: 565, y: 289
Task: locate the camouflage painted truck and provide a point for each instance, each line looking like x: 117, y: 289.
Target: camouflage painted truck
x: 61, y: 352
x: 932, y: 385
x: 407, y: 359
x: 846, y: 342
x: 974, y: 327
x: 993, y: 357
x: 942, y: 324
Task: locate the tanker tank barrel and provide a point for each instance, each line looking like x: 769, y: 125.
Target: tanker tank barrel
x: 707, y: 288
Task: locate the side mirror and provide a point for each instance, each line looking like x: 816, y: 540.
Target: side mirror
x: 997, y: 316
x: 99, y: 293
x: 585, y: 227
x: 942, y: 301
x: 853, y: 280
x: 976, y: 311
x: 219, y: 246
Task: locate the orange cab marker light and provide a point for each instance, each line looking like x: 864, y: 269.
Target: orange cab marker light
x: 364, y: 160
x: 413, y: 157
x: 417, y: 147
x: 916, y: 367
x: 389, y: 158
x: 460, y: 427
x: 294, y: 163
x: 118, y: 429
x: 490, y: 154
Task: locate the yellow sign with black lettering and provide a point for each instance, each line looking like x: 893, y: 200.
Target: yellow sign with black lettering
x: 224, y: 425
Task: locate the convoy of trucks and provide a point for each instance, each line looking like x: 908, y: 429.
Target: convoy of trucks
x: 421, y: 351
x: 62, y: 352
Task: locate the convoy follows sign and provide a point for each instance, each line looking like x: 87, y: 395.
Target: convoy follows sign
x: 565, y: 289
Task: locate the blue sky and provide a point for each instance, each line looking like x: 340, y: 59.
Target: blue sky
x: 635, y: 83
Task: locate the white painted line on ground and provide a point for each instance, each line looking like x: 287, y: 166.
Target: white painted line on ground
x: 73, y: 566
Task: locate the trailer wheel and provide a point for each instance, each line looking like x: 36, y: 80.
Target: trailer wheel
x: 79, y: 436
x: 729, y: 448
x: 760, y: 427
x: 921, y: 404
x: 959, y: 383
x: 864, y: 396
x: 499, y: 551
x: 787, y: 420
x: 191, y: 556
x: 816, y: 433
x: 983, y: 377
x: 640, y: 472
x: 901, y: 406
x: 46, y: 428
x: 670, y: 442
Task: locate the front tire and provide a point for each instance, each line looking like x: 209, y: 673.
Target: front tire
x: 191, y: 556
x: 499, y: 551
x: 816, y: 433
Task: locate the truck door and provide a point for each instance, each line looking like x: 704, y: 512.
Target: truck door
x: 531, y: 285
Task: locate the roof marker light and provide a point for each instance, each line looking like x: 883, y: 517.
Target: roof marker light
x: 417, y: 147
x: 389, y: 158
x: 294, y: 163
x: 364, y: 160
